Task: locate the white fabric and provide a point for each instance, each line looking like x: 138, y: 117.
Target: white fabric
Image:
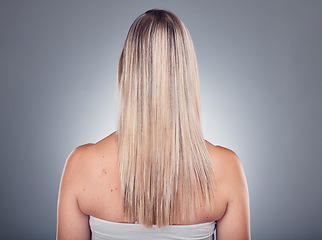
x: 103, y: 230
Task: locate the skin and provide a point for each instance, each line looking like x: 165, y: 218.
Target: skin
x: 90, y: 185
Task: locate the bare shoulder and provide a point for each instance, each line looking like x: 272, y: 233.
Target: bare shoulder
x: 72, y: 223
x: 85, y: 156
x: 219, y: 150
x: 80, y: 152
x: 77, y: 162
x: 224, y: 157
x: 86, y: 162
x: 228, y: 169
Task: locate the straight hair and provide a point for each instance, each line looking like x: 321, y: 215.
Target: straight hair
x: 166, y: 170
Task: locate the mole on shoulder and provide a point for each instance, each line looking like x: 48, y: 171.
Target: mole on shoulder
x: 104, y: 171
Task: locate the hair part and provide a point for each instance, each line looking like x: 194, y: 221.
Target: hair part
x: 164, y: 164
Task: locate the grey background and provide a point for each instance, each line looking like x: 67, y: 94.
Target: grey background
x: 260, y: 66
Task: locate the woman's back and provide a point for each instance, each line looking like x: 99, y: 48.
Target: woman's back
x: 90, y: 186
x: 92, y: 177
x: 99, y: 192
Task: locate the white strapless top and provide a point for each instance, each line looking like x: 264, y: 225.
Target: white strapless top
x: 102, y: 230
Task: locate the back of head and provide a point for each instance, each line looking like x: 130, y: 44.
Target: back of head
x: 164, y: 162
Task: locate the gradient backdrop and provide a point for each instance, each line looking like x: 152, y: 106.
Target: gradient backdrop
x: 260, y: 66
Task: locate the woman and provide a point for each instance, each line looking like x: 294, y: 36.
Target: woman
x: 155, y: 177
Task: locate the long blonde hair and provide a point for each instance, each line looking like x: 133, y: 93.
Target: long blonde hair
x: 163, y: 159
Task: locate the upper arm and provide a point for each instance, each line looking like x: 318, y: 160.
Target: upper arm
x: 235, y: 224
x: 71, y: 222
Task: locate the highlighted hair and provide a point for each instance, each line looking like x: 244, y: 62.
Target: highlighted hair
x: 166, y: 171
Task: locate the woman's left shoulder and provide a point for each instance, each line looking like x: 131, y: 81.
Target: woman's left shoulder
x: 85, y: 160
x: 78, y: 158
x: 78, y: 166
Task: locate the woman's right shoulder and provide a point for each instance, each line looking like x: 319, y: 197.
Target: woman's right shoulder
x: 229, y: 172
x: 221, y: 155
x: 227, y: 167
